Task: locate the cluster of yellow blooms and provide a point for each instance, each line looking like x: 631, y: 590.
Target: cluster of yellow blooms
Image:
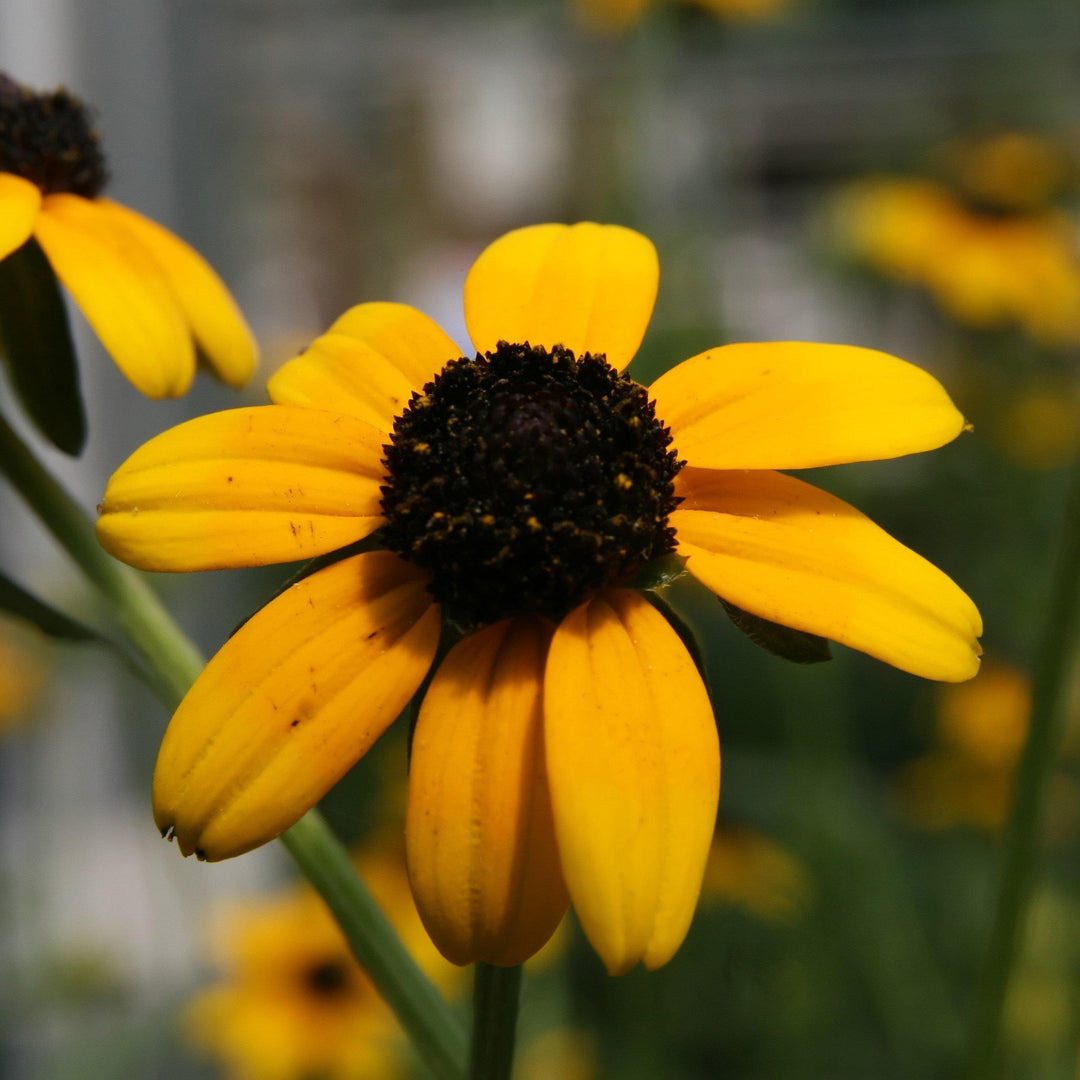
x: 989, y: 246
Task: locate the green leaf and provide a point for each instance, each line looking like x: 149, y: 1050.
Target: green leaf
x: 36, y: 342
x: 795, y: 645
x: 15, y: 600
x: 661, y: 572
x: 687, y: 634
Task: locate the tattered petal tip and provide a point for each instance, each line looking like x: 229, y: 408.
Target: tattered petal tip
x: 587, y: 287
x: 213, y: 315
x: 291, y: 701
x: 480, y: 841
x: 797, y: 405
x: 790, y: 552
x: 634, y: 771
x: 246, y: 487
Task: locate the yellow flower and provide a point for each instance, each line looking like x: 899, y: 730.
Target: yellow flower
x: 756, y: 873
x: 561, y: 1052
x: 617, y: 15
x: 149, y: 296
x: 968, y: 779
x: 984, y: 269
x: 21, y: 675
x: 293, y: 1003
x: 1009, y: 170
x: 1040, y: 425
x: 519, y: 494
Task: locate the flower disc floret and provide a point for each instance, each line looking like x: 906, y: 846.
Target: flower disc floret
x: 525, y: 479
x: 48, y: 139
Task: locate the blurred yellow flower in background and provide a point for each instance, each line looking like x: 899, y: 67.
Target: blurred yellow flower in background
x: 968, y: 778
x: 1012, y: 261
x: 22, y: 673
x: 559, y: 1054
x: 1009, y: 170
x: 150, y: 297
x: 754, y: 872
x: 1039, y: 426
x: 612, y: 16
x: 293, y: 1003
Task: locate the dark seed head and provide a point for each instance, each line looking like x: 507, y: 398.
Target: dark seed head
x: 328, y: 979
x: 48, y: 139
x: 526, y: 479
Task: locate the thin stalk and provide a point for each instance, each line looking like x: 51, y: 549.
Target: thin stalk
x: 435, y: 1032
x: 1053, y: 666
x: 148, y: 626
x: 174, y: 663
x: 496, y: 992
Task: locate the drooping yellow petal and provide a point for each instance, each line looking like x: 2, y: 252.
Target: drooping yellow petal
x: 481, y: 845
x: 634, y: 768
x: 19, y: 204
x: 245, y: 487
x: 588, y: 287
x: 121, y: 291
x: 794, y: 405
x: 213, y: 315
x: 291, y: 701
x: 789, y: 552
x: 338, y: 372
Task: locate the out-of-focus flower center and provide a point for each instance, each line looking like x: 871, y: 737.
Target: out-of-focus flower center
x: 47, y: 139
x: 525, y: 479
x: 329, y: 979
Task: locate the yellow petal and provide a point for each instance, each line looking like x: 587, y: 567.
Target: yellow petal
x: 792, y: 405
x: 588, y: 287
x: 338, y: 372
x: 121, y: 291
x: 244, y: 488
x: 789, y: 552
x: 481, y: 844
x: 291, y: 701
x: 213, y: 315
x: 19, y: 204
x: 634, y: 768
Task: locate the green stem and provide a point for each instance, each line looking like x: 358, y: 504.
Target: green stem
x: 495, y: 1011
x: 1049, y: 706
x: 149, y: 627
x: 174, y: 663
x: 435, y: 1033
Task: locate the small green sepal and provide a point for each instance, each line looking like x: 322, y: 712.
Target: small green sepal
x: 660, y: 572
x: 795, y: 645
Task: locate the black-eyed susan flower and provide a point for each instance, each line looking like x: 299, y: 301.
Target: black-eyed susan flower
x: 149, y: 296
x: 988, y: 245
x: 515, y: 495
x: 22, y: 673
x: 291, y: 1002
x: 968, y: 778
x: 616, y: 15
x: 752, y: 871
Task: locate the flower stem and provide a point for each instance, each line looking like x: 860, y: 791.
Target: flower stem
x: 495, y: 1011
x: 174, y: 663
x: 435, y: 1032
x: 146, y: 623
x: 1049, y: 707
